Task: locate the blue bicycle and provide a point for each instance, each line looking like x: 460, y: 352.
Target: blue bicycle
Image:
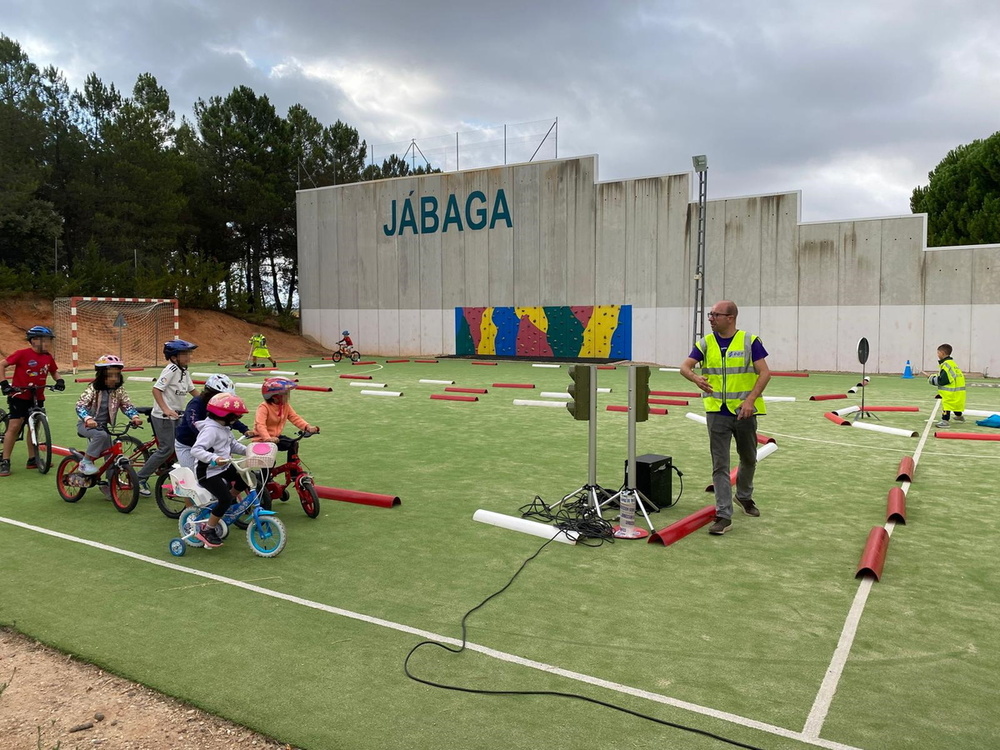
x: 265, y: 531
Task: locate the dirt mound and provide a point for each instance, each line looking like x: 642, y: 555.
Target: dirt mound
x: 220, y: 337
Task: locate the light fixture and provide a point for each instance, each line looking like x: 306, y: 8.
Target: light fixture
x: 700, y: 163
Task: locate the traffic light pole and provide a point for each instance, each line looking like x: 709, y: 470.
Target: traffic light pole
x: 628, y: 497
x: 594, y: 493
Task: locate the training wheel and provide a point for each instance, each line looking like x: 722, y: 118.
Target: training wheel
x: 177, y: 547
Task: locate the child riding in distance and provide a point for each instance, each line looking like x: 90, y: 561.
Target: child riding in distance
x: 196, y: 411
x: 275, y: 411
x: 346, y: 344
x: 32, y: 367
x: 212, y: 450
x: 98, y: 407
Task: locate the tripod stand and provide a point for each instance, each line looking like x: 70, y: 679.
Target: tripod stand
x: 863, y: 359
x: 592, y: 491
x: 628, y: 497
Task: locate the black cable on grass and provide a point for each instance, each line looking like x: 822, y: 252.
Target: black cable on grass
x: 578, y: 516
x: 553, y: 693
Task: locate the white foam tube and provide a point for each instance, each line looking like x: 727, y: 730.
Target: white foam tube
x: 381, y: 393
x: 438, y: 382
x: 554, y: 394
x: 525, y: 526
x: 766, y: 450
x: 700, y: 418
x: 604, y: 390
x: 141, y: 379
x: 847, y: 410
x: 364, y: 384
x: 529, y: 402
x: 880, y: 428
x: 202, y: 374
x: 248, y: 385
x: 541, y: 365
x: 670, y: 369
x: 980, y: 412
x: 283, y: 372
x: 779, y: 398
x: 330, y: 364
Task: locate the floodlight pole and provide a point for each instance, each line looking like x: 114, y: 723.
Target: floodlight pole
x: 701, y: 167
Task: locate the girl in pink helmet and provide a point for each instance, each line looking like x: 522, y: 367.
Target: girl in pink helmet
x: 98, y: 407
x: 212, y: 450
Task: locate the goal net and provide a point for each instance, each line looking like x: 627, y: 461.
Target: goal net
x: 134, y: 329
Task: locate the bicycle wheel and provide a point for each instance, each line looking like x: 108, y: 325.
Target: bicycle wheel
x: 170, y: 504
x: 308, y: 496
x: 266, y: 536
x: 68, y: 492
x: 337, y: 356
x: 135, y: 451
x: 43, y: 442
x: 4, y: 418
x: 355, y: 356
x: 124, y: 486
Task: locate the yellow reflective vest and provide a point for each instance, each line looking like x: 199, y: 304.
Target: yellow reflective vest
x: 953, y: 394
x: 732, y: 380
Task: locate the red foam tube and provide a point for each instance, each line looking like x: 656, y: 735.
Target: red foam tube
x: 680, y: 529
x: 732, y: 479
x: 285, y: 361
x: 895, y: 505
x: 668, y: 401
x: 836, y: 419
x: 83, y: 380
x: 355, y: 496
x: 892, y: 408
x: 449, y: 397
x: 613, y: 407
x: 320, y: 388
x: 133, y: 369
x: 688, y: 394
x: 873, y: 556
x: 828, y: 397
x: 965, y: 436
x: 606, y: 367
x: 475, y: 362
x: 229, y: 364
x: 790, y: 374
x: 764, y: 439
x: 369, y: 362
x: 653, y: 410
x: 455, y: 389
x: 392, y: 361
x: 906, y: 469
x: 426, y: 361
x: 356, y: 377
x: 513, y: 385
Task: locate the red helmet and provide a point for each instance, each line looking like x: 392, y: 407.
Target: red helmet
x: 108, y: 360
x: 276, y: 387
x: 226, y: 404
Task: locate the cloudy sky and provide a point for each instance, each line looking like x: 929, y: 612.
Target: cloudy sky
x: 850, y: 101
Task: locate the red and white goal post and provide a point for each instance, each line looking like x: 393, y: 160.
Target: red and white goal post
x: 133, y: 328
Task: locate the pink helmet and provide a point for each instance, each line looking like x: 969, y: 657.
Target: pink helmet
x: 276, y: 387
x: 108, y: 360
x: 226, y: 404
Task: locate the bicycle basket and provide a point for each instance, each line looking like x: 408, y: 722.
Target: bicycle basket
x: 260, y: 455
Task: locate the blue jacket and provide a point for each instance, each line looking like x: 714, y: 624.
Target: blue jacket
x: 197, y: 410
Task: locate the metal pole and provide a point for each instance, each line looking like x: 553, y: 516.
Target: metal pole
x: 699, y: 275
x: 457, y: 165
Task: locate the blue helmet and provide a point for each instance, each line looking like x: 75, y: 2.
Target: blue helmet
x: 39, y: 332
x: 345, y: 333
x: 175, y: 347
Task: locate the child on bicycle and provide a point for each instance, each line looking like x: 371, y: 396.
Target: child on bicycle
x: 346, y: 344
x: 98, y: 407
x: 195, y: 412
x: 32, y: 367
x: 170, y: 392
x: 276, y: 410
x: 213, y: 450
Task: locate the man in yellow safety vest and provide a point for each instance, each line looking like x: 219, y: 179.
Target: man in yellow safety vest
x: 733, y: 376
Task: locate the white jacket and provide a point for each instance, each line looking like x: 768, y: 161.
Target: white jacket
x: 215, y: 441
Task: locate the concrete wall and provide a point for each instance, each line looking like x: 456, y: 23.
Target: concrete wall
x: 811, y: 290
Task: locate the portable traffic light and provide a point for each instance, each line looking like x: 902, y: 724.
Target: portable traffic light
x: 641, y: 393
x: 579, y: 391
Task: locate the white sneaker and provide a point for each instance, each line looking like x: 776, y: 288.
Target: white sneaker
x: 144, y: 488
x: 88, y: 467
x: 941, y: 424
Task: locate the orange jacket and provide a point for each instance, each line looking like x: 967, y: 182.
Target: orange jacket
x: 270, y: 420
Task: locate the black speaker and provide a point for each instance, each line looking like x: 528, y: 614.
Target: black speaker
x: 653, y: 478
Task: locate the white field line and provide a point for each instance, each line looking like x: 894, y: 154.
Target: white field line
x: 499, y: 655
x: 828, y: 688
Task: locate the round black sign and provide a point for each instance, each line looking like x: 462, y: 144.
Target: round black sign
x: 863, y: 350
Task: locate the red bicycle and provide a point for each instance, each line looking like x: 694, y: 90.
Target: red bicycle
x: 292, y: 472
x: 120, y: 482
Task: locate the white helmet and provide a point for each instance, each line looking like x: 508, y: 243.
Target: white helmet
x: 221, y: 383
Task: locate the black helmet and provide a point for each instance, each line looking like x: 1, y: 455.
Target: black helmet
x: 39, y: 332
x: 175, y: 347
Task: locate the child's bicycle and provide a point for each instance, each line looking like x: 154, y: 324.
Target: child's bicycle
x: 119, y: 483
x: 346, y: 351
x: 35, y: 428
x: 292, y: 472
x: 265, y: 531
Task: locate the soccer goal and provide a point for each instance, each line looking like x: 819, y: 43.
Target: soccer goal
x: 134, y: 329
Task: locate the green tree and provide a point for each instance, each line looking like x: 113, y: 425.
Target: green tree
x: 962, y: 197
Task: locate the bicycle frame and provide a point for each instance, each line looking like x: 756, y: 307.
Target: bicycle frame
x: 36, y: 414
x: 295, y: 474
